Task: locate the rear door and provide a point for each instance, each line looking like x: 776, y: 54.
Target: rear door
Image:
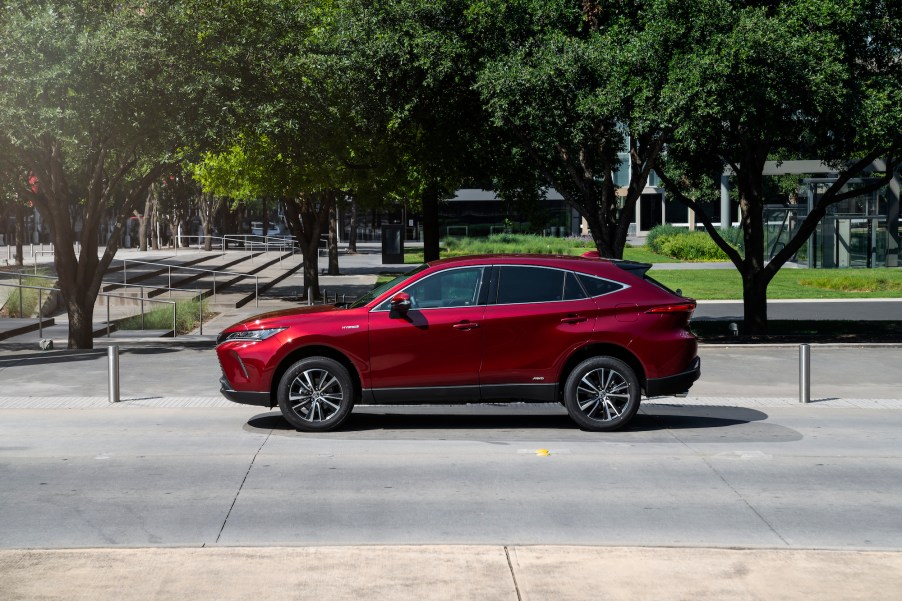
x: 539, y: 316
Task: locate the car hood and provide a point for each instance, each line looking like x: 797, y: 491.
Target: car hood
x: 275, y: 317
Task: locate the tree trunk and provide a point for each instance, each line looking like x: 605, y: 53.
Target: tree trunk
x: 142, y: 222
x: 333, y: 240
x: 20, y: 234
x: 352, y: 234
x: 431, y: 233
x: 307, y: 217
x: 754, y: 302
x: 154, y: 220
x: 311, y: 270
x: 208, y: 235
x: 81, y: 317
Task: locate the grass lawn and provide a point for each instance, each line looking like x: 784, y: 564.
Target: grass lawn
x: 702, y: 284
x: 527, y: 244
x: 726, y: 284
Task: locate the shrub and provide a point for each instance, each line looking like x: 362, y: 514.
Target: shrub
x: 684, y: 245
x: 656, y: 235
x: 516, y: 243
x: 692, y: 246
x: 187, y: 313
x: 733, y: 236
x: 10, y: 295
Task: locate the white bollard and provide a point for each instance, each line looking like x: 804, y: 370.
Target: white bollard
x: 113, y: 357
x: 804, y: 373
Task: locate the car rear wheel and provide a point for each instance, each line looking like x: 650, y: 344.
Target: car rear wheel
x: 601, y: 394
x: 316, y: 394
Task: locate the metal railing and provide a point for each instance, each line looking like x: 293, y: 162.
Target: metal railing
x: 141, y: 298
x: 108, y: 295
x: 125, y: 263
x: 252, y: 242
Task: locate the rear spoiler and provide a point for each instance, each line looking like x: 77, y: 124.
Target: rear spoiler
x: 634, y: 267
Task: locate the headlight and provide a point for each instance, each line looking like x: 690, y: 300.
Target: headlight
x: 253, y: 335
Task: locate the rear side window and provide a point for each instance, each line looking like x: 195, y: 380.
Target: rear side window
x: 522, y: 284
x: 597, y: 286
x: 572, y: 289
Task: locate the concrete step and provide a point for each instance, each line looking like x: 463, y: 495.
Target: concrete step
x: 11, y: 327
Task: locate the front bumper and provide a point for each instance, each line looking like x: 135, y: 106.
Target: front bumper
x: 674, y: 385
x: 244, y: 397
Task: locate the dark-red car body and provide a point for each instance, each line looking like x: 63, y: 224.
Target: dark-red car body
x: 472, y: 329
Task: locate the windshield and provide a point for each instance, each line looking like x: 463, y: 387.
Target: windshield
x: 380, y: 289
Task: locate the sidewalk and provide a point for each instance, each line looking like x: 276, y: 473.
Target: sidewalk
x: 479, y: 573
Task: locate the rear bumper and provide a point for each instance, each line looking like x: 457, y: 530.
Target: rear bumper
x: 673, y: 385
x: 244, y: 397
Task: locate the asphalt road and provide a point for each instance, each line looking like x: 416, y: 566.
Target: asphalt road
x: 862, y: 309
x: 126, y: 476
x: 736, y: 493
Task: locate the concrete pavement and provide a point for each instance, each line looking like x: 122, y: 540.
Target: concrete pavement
x: 479, y: 573
x: 183, y: 377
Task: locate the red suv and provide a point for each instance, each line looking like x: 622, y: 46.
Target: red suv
x: 593, y: 334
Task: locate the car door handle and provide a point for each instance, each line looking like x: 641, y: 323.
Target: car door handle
x: 466, y: 325
x: 574, y: 319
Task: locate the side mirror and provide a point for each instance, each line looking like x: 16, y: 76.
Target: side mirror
x: 400, y: 304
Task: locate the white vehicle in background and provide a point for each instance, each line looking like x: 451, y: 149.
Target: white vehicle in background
x: 257, y: 229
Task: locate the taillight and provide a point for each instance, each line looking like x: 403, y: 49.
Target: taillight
x: 677, y: 308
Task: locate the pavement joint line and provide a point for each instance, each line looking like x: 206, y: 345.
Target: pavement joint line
x: 188, y: 402
x: 513, y: 573
x: 241, y: 486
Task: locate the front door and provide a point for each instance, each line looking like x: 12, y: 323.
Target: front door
x: 435, y: 350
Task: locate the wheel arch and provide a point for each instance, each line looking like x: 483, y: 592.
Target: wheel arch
x: 602, y: 349
x: 313, y: 351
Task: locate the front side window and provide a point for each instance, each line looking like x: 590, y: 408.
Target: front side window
x: 450, y: 288
x: 363, y: 300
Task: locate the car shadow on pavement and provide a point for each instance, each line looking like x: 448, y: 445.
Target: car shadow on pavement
x: 660, y: 424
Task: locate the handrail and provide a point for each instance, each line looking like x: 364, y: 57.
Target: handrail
x: 213, y: 271
x: 106, y: 294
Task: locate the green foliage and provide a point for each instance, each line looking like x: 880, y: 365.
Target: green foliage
x: 515, y: 243
x: 187, y: 314
x: 655, y: 235
x: 681, y: 244
x: 733, y: 236
x: 29, y: 296
x: 857, y: 282
x: 692, y: 246
x: 726, y: 284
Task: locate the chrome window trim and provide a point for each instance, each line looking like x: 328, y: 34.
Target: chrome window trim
x: 377, y: 308
x: 598, y: 277
x: 575, y: 273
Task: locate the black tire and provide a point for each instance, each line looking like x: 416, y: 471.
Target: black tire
x: 316, y: 394
x: 602, y: 394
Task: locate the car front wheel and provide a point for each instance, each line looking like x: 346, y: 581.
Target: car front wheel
x: 316, y: 394
x: 601, y: 394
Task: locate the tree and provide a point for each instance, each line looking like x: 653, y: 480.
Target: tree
x: 804, y: 78
x: 253, y: 168
x: 579, y: 88
x: 409, y: 82
x: 95, y: 101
